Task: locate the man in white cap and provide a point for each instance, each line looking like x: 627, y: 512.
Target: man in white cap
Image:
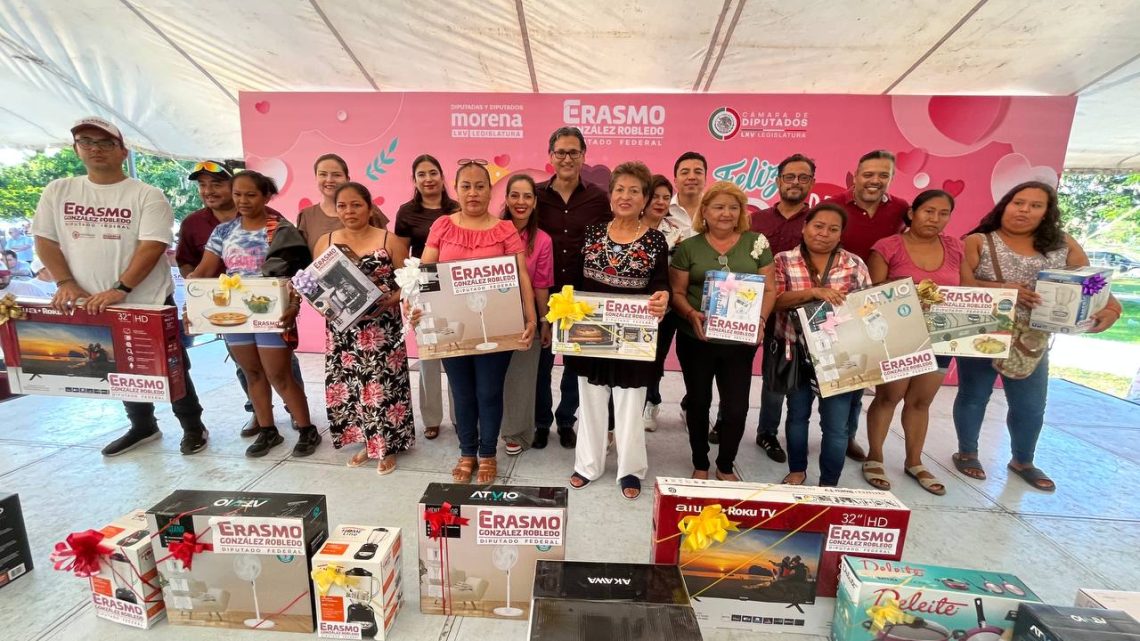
x: 104, y: 238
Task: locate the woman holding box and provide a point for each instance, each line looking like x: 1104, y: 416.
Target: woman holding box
x: 724, y: 242
x: 518, y: 409
x: 367, y: 396
x: 818, y: 270
x: 1018, y: 238
x: 477, y: 381
x: 623, y: 256
x: 243, y: 247
x: 921, y: 252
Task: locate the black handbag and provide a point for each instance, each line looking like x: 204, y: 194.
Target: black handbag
x: 782, y: 375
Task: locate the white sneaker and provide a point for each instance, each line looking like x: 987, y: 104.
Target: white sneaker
x: 649, y: 416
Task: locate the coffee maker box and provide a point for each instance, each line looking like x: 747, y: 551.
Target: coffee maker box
x: 256, y: 305
x: 1128, y: 602
x: 779, y: 570
x: 251, y: 569
x: 900, y: 600
x: 356, y: 577
x: 586, y: 600
x: 492, y: 535
x: 127, y: 590
x: 15, y: 553
x: 1040, y: 622
x: 1069, y: 297
x: 618, y: 326
x: 126, y: 353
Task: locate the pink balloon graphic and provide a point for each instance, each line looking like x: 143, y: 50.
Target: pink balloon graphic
x: 261, y: 106
x: 1015, y: 169
x: 910, y: 162
x: 275, y: 168
x: 954, y: 187
x: 967, y: 119
x: 921, y: 180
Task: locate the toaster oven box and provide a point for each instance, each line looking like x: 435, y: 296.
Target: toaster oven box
x: 618, y: 326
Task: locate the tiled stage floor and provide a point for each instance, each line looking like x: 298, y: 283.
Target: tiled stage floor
x: 1086, y: 534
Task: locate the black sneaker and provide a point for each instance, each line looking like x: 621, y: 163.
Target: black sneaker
x: 251, y: 428
x: 132, y: 439
x: 771, y: 446
x: 307, y: 441
x: 267, y: 439
x: 541, y: 436
x: 567, y: 438
x: 194, y: 441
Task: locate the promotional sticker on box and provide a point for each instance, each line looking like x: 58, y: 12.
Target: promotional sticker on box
x: 880, y: 599
x: 469, y: 307
x: 236, y: 304
x: 15, y: 553
x: 1069, y: 298
x: 766, y: 557
x: 126, y: 590
x: 877, y: 335
x: 356, y: 576
x: 969, y: 321
x: 126, y: 353
x: 336, y: 287
x: 238, y: 560
x: 605, y: 326
x: 1040, y: 622
x: 1128, y: 602
x: 478, y: 546
x: 733, y: 307
x: 589, y: 601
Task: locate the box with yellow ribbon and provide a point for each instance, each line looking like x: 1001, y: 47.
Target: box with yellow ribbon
x: 235, y: 304
x: 602, y: 325
x: 356, y: 579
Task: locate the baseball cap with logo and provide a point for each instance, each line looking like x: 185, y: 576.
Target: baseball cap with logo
x: 212, y: 167
x: 98, y: 123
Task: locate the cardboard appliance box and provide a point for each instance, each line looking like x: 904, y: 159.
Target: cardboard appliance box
x: 877, y: 335
x: 127, y: 590
x: 483, y: 564
x: 255, y: 306
x: 1128, y: 602
x: 366, y: 597
x: 734, y: 305
x: 127, y: 353
x: 1040, y: 622
x: 15, y: 553
x: 342, y: 293
x: 620, y: 326
x: 586, y: 601
x: 972, y: 321
x: 253, y: 572
x: 1069, y: 297
x: 778, y: 572
x: 469, y: 307
x: 899, y: 600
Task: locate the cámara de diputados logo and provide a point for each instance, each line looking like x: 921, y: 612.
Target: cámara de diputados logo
x: 724, y: 123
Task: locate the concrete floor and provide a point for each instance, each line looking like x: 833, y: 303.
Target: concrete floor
x: 1085, y: 535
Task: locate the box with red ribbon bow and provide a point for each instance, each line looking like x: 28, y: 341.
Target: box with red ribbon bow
x: 126, y: 589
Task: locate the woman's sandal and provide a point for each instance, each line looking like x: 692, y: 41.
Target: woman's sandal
x: 970, y: 467
x: 431, y: 432
x: 577, y: 481
x: 876, y: 475
x: 386, y: 466
x: 463, y: 470
x: 359, y: 459
x: 787, y: 479
x: 488, y: 469
x: 630, y: 482
x: 930, y: 484
x: 701, y: 475
x: 1037, y: 479
x: 731, y: 476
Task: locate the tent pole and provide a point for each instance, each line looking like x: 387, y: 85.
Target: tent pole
x: 131, y: 171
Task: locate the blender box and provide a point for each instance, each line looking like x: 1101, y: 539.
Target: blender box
x: 971, y: 321
x: 733, y: 306
x: 876, y: 336
x: 617, y: 326
x: 1069, y: 296
x: 883, y: 600
x: 586, y: 600
x: 126, y: 353
x: 356, y: 576
x: 1040, y: 622
x: 469, y: 307
x: 253, y: 305
x: 777, y: 569
x: 336, y: 288
x: 1128, y: 602
x: 127, y: 590
x: 478, y: 546
x: 15, y: 553
x: 238, y: 560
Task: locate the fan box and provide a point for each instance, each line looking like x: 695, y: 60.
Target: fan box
x: 364, y: 601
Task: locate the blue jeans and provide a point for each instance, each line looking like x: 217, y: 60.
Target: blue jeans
x: 771, y: 407
x: 476, y: 384
x: 1025, y: 398
x: 833, y: 415
x: 544, y: 400
x: 853, y: 415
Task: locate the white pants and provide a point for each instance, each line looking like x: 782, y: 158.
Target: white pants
x: 629, y: 432
x: 431, y: 394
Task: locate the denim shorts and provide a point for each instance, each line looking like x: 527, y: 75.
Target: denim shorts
x: 261, y: 339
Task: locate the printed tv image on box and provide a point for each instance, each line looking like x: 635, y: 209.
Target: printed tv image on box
x: 772, y: 566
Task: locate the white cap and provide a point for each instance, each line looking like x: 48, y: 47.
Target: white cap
x: 98, y: 123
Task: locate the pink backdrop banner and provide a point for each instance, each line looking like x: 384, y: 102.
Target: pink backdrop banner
x: 974, y: 147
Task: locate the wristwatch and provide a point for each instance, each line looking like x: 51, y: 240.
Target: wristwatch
x: 121, y: 287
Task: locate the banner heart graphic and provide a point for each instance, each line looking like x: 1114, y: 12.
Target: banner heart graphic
x: 967, y: 119
x: 502, y: 160
x: 911, y: 162
x: 262, y: 106
x: 954, y: 187
x: 1014, y: 169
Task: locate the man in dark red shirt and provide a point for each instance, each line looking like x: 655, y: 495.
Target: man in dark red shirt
x: 565, y: 206
x: 872, y: 214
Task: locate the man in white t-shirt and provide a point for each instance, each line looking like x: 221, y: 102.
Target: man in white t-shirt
x: 104, y: 238
x: 21, y: 288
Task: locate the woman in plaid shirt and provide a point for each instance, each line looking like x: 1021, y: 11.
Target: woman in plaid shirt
x: 819, y: 269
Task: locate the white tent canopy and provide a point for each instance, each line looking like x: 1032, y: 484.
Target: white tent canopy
x: 169, y: 71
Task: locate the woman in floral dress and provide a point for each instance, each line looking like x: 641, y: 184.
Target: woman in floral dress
x: 367, y: 393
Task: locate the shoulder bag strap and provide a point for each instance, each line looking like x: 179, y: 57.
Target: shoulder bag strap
x: 994, y: 257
